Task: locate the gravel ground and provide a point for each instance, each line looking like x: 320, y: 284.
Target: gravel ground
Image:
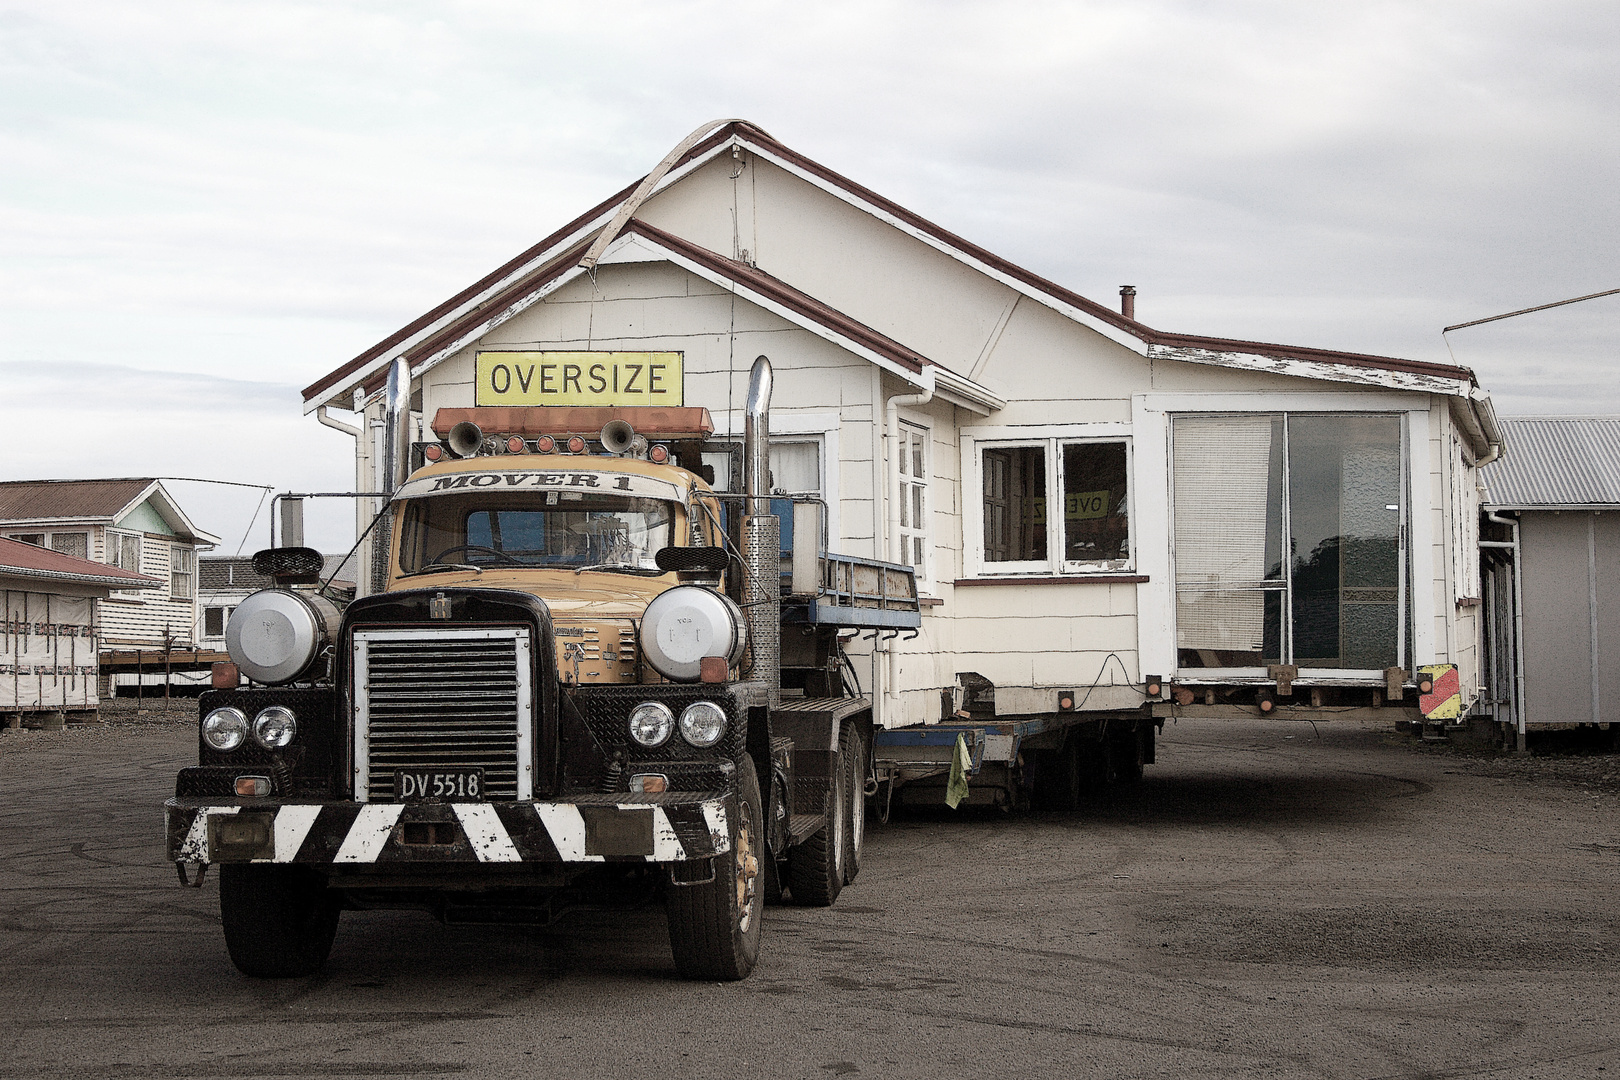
x: 1270, y: 902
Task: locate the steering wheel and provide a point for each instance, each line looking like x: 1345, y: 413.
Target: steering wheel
x: 438, y: 560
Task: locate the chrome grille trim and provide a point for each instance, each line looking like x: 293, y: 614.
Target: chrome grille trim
x: 443, y: 698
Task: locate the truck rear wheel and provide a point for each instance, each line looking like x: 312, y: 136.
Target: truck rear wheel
x: 816, y: 867
x: 852, y: 752
x: 1058, y: 778
x: 714, y: 927
x: 279, y: 920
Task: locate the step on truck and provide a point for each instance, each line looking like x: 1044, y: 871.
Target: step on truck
x: 591, y: 680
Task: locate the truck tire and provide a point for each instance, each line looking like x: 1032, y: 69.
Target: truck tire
x: 816, y: 867
x: 279, y: 920
x: 714, y: 927
x: 1130, y: 756
x: 852, y: 753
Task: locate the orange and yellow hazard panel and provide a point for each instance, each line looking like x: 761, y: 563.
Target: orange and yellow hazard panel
x: 1444, y: 699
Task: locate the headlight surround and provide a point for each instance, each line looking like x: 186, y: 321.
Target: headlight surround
x: 703, y: 723
x: 224, y: 729
x: 651, y: 723
x: 274, y: 727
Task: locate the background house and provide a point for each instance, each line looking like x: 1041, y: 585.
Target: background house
x: 50, y: 637
x: 133, y: 524
x: 1552, y: 572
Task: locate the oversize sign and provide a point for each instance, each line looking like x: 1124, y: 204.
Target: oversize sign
x: 579, y: 378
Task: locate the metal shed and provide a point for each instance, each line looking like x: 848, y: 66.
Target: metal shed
x: 1551, y: 565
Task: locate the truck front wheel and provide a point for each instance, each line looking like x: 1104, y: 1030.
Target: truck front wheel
x: 852, y: 748
x: 279, y: 920
x: 714, y: 926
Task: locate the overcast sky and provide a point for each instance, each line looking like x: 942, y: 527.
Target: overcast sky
x: 206, y: 206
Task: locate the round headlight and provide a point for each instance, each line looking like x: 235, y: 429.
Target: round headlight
x: 274, y: 727
x: 651, y: 723
x: 224, y: 729
x: 702, y: 723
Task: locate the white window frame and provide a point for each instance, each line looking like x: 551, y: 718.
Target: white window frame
x: 182, y: 556
x: 1053, y: 437
x: 1152, y: 526
x: 801, y: 427
x: 922, y: 530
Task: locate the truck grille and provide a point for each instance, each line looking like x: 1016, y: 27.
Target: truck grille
x: 443, y: 699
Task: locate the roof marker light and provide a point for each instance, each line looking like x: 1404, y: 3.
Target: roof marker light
x: 576, y: 444
x: 514, y: 445
x: 433, y: 451
x: 545, y: 444
x: 658, y: 454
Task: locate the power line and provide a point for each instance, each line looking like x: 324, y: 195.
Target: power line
x: 1528, y: 310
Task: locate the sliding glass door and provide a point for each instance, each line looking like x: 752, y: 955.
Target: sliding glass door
x: 1289, y: 541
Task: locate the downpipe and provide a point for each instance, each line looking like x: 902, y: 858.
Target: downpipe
x: 890, y: 699
x: 1518, y: 621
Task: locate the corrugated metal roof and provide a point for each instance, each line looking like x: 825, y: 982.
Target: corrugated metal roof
x: 1556, y: 461
x: 25, y: 500
x: 27, y: 560
x: 235, y: 573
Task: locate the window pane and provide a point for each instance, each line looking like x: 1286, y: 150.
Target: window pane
x: 213, y: 622
x: 75, y: 544
x: 37, y: 539
x: 1223, y: 629
x: 1344, y: 488
x: 917, y: 517
x: 1095, y: 525
x: 1015, y: 504
x: 796, y: 466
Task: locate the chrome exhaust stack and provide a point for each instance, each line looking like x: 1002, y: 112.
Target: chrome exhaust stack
x: 761, y: 540
x: 395, y: 465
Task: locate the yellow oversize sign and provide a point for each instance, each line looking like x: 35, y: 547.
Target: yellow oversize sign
x: 579, y: 378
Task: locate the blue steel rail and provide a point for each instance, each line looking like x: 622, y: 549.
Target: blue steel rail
x: 941, y: 739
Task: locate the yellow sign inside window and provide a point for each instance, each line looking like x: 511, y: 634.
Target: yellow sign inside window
x: 579, y: 378
x: 1082, y: 505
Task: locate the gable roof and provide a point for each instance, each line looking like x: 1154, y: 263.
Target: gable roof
x: 93, y: 502
x: 25, y: 560
x: 546, y: 265
x: 1556, y: 463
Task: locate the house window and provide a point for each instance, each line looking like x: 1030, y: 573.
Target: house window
x: 37, y: 539
x: 913, y: 452
x: 124, y: 551
x: 182, y: 572
x: 1289, y: 541
x: 1091, y: 534
x: 71, y: 543
x: 214, y: 619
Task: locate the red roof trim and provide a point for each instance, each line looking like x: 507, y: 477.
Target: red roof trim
x: 780, y: 291
x: 18, y: 557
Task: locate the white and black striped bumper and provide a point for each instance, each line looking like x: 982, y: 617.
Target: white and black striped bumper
x: 589, y: 829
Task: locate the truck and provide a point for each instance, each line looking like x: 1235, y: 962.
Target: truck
x: 592, y: 679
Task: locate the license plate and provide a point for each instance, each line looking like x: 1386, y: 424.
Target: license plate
x: 458, y: 785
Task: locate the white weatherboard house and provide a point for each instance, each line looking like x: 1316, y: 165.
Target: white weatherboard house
x: 1087, y: 500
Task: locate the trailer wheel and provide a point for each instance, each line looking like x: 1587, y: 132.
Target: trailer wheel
x: 714, y: 926
x: 852, y: 751
x: 279, y: 920
x: 1130, y: 757
x: 816, y: 867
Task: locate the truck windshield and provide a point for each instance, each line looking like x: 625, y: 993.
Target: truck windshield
x: 565, y: 530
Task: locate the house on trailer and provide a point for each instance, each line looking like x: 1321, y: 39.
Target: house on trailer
x: 1551, y: 553
x: 49, y: 669
x: 1087, y: 500
x: 133, y: 524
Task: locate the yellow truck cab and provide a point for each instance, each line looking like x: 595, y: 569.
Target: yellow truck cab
x: 575, y: 690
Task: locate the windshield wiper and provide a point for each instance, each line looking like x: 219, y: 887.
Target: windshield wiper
x: 619, y: 567
x: 431, y: 567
